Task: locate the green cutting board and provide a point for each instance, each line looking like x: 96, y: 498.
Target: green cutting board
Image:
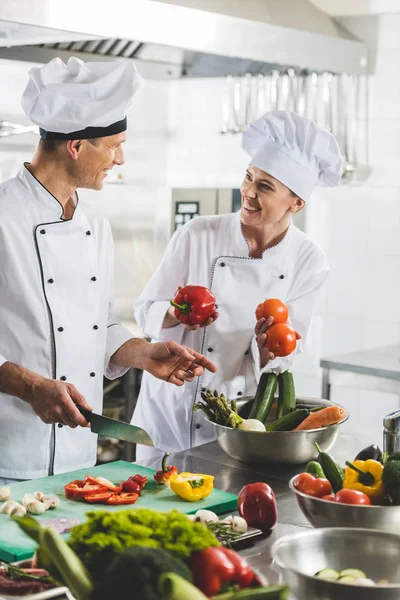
x: 15, y: 545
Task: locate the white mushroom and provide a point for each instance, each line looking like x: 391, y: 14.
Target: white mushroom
x: 8, y: 506
x: 18, y: 511
x: 39, y: 496
x: 28, y: 499
x: 35, y: 507
x: 51, y: 501
x: 227, y: 520
x: 206, y: 516
x: 191, y: 517
x: 239, y: 524
x: 5, y: 493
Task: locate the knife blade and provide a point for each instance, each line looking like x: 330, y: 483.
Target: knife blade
x: 116, y: 429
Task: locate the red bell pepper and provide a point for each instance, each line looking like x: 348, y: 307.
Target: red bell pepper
x: 213, y: 569
x: 312, y: 486
x: 194, y: 304
x: 122, y: 498
x: 140, y: 479
x: 257, y: 506
x: 79, y: 488
x: 104, y: 482
x: 352, y: 497
x: 99, y: 498
x: 243, y: 575
x: 162, y: 476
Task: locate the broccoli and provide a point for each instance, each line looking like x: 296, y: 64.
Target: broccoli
x: 135, y: 573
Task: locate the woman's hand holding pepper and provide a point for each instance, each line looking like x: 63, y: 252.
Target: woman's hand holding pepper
x: 260, y: 329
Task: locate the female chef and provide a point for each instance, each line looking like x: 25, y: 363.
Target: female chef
x: 244, y: 258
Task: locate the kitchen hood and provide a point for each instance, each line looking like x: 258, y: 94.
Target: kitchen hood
x: 182, y: 38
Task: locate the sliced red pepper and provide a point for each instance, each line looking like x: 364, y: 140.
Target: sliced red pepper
x: 162, y: 476
x: 140, y: 479
x: 131, y: 486
x: 99, y: 498
x: 122, y: 498
x: 81, y: 488
x: 104, y: 482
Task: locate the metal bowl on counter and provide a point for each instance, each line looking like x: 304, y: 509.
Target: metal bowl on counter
x: 323, y: 513
x: 284, y: 447
x: 301, y: 555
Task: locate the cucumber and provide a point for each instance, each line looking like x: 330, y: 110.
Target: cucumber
x: 287, y: 395
x: 315, y: 469
x: 328, y: 574
x: 288, y: 422
x: 347, y: 579
x: 333, y: 471
x: 264, y: 397
x: 355, y: 573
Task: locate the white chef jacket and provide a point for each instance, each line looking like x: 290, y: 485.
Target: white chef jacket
x: 56, y: 285
x: 212, y: 252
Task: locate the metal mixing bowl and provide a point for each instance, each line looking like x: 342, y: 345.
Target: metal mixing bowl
x: 323, y: 513
x: 285, y: 447
x: 301, y: 555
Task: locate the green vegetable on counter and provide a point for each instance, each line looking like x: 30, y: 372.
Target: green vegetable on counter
x: 140, y: 569
x: 105, y: 535
x: 272, y: 592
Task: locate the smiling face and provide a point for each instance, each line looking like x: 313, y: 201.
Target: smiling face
x: 94, y: 158
x: 265, y: 200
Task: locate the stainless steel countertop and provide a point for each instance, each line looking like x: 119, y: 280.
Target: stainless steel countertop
x: 231, y: 475
x: 378, y: 362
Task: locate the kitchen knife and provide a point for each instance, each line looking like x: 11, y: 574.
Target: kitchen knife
x: 115, y: 429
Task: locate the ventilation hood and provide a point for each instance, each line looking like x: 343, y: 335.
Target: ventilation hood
x: 181, y: 38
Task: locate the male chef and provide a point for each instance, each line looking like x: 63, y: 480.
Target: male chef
x: 57, y: 332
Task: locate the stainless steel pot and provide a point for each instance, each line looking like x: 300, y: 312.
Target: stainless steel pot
x: 285, y: 447
x: 301, y: 555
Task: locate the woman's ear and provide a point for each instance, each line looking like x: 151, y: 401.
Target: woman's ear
x: 297, y: 205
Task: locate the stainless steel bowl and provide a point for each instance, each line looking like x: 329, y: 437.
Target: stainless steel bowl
x: 301, y: 555
x: 285, y: 447
x: 323, y: 513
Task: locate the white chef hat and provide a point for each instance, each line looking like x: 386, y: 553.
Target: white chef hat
x: 80, y: 100
x: 294, y: 150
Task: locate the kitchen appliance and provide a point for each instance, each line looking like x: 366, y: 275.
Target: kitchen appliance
x: 391, y: 432
x: 15, y: 545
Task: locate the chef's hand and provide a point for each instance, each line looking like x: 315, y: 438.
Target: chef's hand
x: 174, y: 363
x: 260, y: 329
x: 54, y: 402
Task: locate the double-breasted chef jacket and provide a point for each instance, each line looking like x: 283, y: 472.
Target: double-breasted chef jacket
x: 213, y: 252
x: 56, y: 287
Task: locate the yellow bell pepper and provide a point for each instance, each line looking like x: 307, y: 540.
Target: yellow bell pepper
x: 191, y: 486
x: 365, y: 476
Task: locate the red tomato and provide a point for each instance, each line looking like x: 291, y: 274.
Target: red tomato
x: 99, y: 498
x: 329, y: 498
x: 281, y: 339
x: 81, y: 488
x: 122, y: 498
x: 272, y: 308
x: 352, y: 497
x: 312, y: 486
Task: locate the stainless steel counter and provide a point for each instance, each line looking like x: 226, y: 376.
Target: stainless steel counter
x: 231, y: 475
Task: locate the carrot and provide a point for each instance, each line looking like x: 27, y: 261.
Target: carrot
x: 322, y: 418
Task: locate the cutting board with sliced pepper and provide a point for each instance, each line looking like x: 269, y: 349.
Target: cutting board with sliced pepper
x: 15, y: 545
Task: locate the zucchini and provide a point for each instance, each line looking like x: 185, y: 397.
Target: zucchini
x: 288, y: 422
x: 315, y: 469
x: 333, y: 471
x: 264, y: 397
x: 287, y: 395
x: 328, y: 574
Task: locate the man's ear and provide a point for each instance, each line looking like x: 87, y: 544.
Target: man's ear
x: 297, y: 205
x: 74, y: 148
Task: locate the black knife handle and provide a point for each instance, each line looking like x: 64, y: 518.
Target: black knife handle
x: 85, y: 412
